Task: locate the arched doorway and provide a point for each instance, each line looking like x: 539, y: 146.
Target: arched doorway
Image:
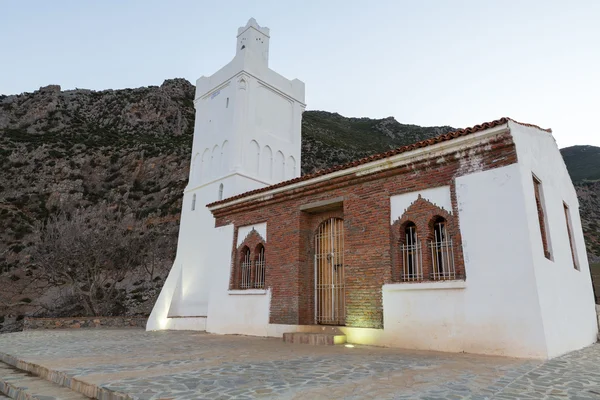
x: 330, y: 304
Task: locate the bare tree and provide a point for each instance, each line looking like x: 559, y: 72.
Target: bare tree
x: 157, y: 252
x: 87, y: 254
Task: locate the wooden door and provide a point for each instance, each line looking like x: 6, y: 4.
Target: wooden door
x: 330, y: 304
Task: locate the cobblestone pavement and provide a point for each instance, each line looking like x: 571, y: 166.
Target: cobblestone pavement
x: 192, y: 365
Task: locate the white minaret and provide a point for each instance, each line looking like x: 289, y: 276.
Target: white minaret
x: 248, y: 121
x: 246, y: 136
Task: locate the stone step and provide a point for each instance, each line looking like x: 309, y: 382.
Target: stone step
x: 22, y: 385
x: 326, y: 339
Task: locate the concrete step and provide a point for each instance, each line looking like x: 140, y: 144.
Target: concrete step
x: 319, y: 339
x: 22, y: 385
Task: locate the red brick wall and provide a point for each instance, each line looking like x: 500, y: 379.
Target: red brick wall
x: 369, y: 243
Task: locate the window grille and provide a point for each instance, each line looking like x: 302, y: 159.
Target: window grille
x: 246, y: 270
x: 442, y: 253
x: 412, y: 258
x: 259, y: 266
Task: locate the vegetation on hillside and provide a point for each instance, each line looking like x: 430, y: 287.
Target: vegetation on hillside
x: 583, y: 163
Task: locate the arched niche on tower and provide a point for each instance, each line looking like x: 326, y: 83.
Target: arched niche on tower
x: 290, y: 168
x: 266, y: 163
x: 205, y: 166
x: 215, y: 161
x: 225, y: 158
x: 251, y: 158
x: 279, y: 167
x: 196, y: 168
x: 242, y: 84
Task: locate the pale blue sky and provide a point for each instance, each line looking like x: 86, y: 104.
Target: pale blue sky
x: 459, y: 62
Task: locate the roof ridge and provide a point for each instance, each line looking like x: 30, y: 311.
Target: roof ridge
x: 529, y: 125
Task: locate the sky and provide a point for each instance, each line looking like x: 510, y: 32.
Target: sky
x: 457, y: 63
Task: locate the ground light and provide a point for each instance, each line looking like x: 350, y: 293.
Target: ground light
x: 348, y: 345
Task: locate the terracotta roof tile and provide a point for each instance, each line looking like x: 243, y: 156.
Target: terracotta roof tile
x: 379, y: 156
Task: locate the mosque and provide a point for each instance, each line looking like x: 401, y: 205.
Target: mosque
x: 467, y: 242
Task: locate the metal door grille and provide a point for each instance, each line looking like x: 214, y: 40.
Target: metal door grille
x: 330, y: 304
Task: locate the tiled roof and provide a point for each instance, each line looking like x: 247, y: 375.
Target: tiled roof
x: 379, y: 156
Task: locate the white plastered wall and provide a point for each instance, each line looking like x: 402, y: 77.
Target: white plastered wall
x: 244, y: 231
x: 565, y: 294
x: 237, y: 311
x: 495, y: 311
x: 439, y: 196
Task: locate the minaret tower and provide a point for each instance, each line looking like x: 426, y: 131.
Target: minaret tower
x: 248, y: 120
x: 246, y: 136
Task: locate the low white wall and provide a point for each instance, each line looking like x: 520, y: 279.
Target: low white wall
x: 234, y: 311
x: 565, y: 294
x: 186, y: 324
x: 425, y: 316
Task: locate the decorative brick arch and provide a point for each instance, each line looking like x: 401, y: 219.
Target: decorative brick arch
x: 423, y: 214
x: 253, y: 241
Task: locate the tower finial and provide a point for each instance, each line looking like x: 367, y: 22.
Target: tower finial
x: 254, y: 39
x: 253, y: 24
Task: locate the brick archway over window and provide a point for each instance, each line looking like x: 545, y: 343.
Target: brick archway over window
x: 424, y: 215
x: 249, y: 271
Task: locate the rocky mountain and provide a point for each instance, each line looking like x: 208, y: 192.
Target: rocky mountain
x: 130, y: 149
x: 583, y: 163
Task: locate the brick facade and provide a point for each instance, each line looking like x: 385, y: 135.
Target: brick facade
x: 370, y: 243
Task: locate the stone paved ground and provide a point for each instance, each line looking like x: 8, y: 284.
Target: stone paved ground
x: 192, y: 365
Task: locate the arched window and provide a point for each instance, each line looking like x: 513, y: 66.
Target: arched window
x: 221, y: 191
x: 194, y: 202
x: 442, y: 253
x: 245, y: 268
x: 412, y: 260
x: 259, y: 267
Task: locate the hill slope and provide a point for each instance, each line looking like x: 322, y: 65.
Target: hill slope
x: 583, y: 163
x: 61, y: 150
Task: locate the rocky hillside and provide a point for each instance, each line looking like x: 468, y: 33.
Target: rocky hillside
x: 583, y: 163
x: 64, y: 150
